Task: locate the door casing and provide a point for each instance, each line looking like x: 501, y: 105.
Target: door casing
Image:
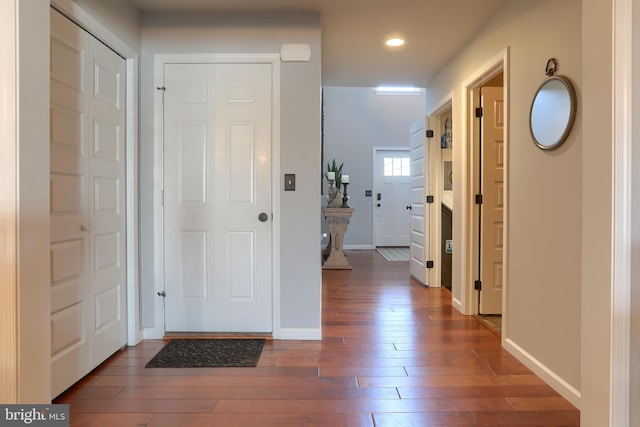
x: 466, y: 256
x: 159, y: 62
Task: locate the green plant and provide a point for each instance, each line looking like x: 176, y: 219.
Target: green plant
x: 333, y: 167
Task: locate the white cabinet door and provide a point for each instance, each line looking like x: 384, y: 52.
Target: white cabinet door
x: 217, y: 197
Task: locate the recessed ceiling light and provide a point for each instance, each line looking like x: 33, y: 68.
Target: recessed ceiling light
x: 394, y: 42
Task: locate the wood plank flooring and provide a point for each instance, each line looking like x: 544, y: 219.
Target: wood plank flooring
x: 393, y: 354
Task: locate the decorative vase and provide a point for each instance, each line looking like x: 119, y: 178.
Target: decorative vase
x: 333, y: 196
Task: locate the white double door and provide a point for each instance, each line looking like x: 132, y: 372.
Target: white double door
x: 88, y: 253
x: 217, y: 197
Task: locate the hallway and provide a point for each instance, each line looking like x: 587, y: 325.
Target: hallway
x: 393, y: 354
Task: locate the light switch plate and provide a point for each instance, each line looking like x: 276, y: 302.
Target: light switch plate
x: 289, y: 182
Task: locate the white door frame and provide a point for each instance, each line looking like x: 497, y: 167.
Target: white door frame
x: 159, y: 61
x: 437, y: 184
x: 106, y: 36
x: 467, y: 253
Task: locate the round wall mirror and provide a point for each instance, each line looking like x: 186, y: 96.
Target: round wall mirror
x: 553, y: 111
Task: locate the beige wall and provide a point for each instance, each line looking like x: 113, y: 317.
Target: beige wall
x: 544, y: 193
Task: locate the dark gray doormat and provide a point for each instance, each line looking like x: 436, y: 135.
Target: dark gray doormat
x: 200, y: 353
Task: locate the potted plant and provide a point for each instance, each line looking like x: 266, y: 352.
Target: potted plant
x: 334, y: 197
x: 337, y: 170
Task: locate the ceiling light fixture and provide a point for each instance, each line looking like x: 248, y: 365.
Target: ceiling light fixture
x: 394, y: 42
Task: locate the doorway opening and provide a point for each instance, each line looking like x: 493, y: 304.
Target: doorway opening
x: 486, y: 198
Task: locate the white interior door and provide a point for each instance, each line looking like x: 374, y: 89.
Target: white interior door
x: 420, y: 220
x: 217, y: 197
x: 492, y: 214
x: 392, y: 197
x: 107, y: 191
x: 88, y: 253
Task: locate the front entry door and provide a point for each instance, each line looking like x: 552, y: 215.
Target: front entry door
x: 392, y: 190
x: 217, y: 197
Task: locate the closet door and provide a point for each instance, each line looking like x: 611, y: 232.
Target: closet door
x: 88, y: 269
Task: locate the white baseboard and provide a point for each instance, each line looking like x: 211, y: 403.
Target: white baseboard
x: 358, y: 247
x: 457, y: 304
x: 300, y: 334
x: 554, y: 380
x: 152, y: 334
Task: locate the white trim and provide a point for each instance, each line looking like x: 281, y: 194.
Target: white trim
x: 621, y: 232
x: 10, y: 334
x: 467, y: 182
x: 301, y: 334
x: 230, y: 58
x: 437, y: 186
x: 554, y: 380
x: 457, y: 304
x: 358, y: 247
x: 84, y: 20
x: 443, y: 105
x: 152, y: 333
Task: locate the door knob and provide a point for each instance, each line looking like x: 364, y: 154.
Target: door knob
x: 263, y: 217
x: 85, y: 227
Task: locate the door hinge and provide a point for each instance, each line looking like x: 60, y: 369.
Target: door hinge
x: 162, y: 294
x: 429, y: 264
x: 163, y: 89
x: 477, y: 285
x: 479, y: 112
x: 429, y: 199
x: 478, y: 199
x: 429, y: 133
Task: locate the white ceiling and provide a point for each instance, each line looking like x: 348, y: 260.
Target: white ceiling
x: 354, y: 31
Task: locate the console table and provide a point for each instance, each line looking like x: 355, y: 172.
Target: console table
x: 337, y: 220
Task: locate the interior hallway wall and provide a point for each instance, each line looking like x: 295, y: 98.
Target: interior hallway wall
x: 184, y: 33
x: 355, y: 121
x: 544, y: 193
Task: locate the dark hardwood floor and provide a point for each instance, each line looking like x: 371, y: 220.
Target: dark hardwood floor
x: 393, y: 354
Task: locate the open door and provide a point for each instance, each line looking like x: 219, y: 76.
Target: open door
x: 420, y: 209
x: 492, y: 207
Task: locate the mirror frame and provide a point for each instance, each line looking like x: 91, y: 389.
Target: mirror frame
x: 572, y: 113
